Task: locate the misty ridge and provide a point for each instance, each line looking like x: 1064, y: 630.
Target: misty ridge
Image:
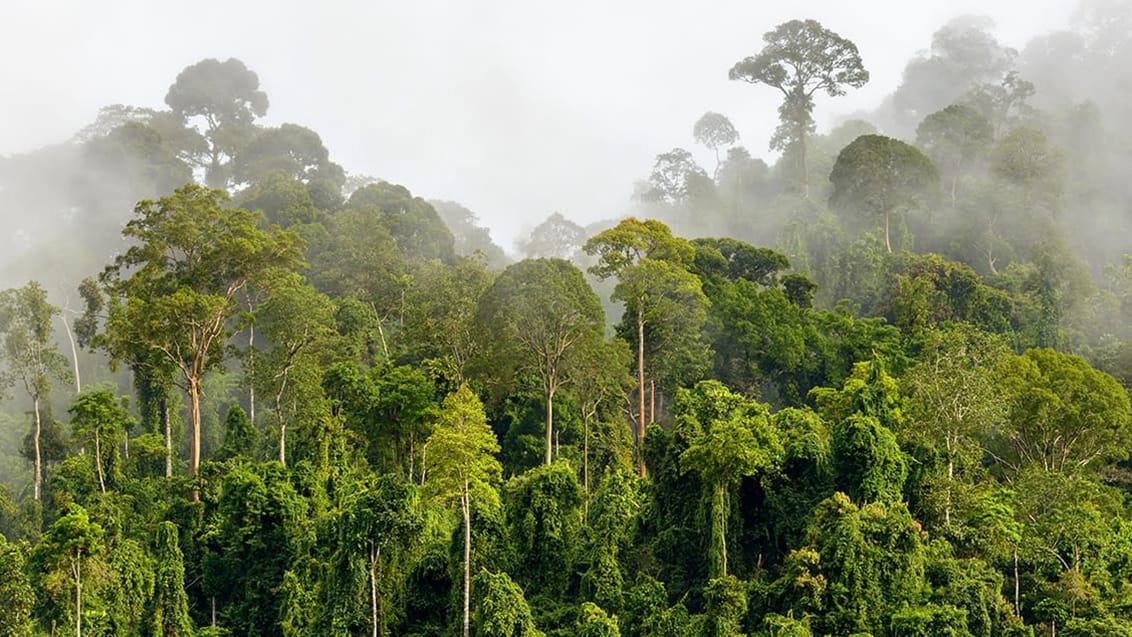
x: 1029, y: 145
x: 1069, y: 87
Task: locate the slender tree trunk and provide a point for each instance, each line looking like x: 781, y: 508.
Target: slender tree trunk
x: 721, y: 523
x: 466, y: 506
x: 373, y: 553
x: 282, y: 442
x: 1017, y: 596
x: 641, y: 386
x: 549, y: 424
x: 74, y: 354
x: 652, y: 400
x: 168, y: 436
x: 251, y: 372
x: 98, y: 461
x: 194, y: 417
x: 887, y: 243
x: 950, y: 480
x: 78, y: 593
x: 194, y: 449
x: 282, y: 423
x: 947, y: 503
x: 381, y: 333
x: 586, y: 463
x: 37, y: 479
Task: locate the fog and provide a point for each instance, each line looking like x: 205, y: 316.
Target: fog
x: 515, y: 110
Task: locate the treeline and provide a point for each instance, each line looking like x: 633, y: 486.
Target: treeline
x: 288, y: 401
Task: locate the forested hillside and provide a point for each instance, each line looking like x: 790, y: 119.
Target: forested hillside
x: 879, y: 386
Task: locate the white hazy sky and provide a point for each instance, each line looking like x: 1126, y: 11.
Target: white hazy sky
x: 514, y: 108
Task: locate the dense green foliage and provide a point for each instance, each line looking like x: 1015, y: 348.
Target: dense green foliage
x: 878, y: 388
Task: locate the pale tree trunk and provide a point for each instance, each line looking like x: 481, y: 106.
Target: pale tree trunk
x: 652, y: 400
x: 168, y: 437
x: 947, y: 504
x: 950, y: 481
x: 74, y: 354
x: 98, y: 461
x: 78, y: 572
x: 37, y: 479
x: 1017, y: 602
x: 194, y: 417
x: 721, y: 505
x: 641, y: 386
x: 283, y: 377
x: 586, y: 467
x: 282, y: 423
x: 887, y: 243
x: 465, y: 504
x: 374, y: 554
x: 380, y: 330
x: 549, y: 424
x: 251, y: 369
x: 282, y: 442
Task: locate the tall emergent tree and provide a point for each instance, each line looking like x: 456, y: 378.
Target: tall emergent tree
x: 542, y: 313
x: 673, y: 177
x: 715, y: 131
x: 462, y: 465
x: 173, y: 293
x: 30, y: 356
x: 556, y: 237
x: 954, y: 138
x: 659, y: 294
x: 878, y: 174
x: 801, y: 57
x: 226, y: 96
